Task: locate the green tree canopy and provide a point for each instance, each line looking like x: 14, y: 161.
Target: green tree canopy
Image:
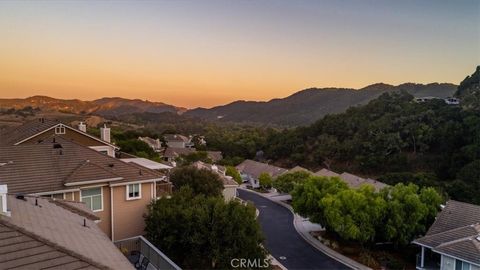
x: 199, y: 232
x: 200, y: 181
x: 410, y: 211
x: 354, y: 214
x: 306, y: 197
x: 265, y: 180
x: 286, y: 182
x: 232, y: 171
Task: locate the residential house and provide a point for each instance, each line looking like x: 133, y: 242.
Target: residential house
x: 171, y: 154
x: 40, y: 129
x: 229, y: 185
x: 178, y: 141
x: 352, y: 180
x: 251, y: 170
x: 45, y: 233
x: 155, y: 144
x: 453, y: 240
x: 117, y: 192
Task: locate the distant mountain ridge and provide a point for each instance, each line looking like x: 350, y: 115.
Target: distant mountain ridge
x: 110, y: 106
x: 301, y: 108
x: 307, y: 106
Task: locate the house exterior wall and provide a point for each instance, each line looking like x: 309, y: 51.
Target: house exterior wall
x: 229, y: 193
x: 128, y: 220
x: 176, y: 144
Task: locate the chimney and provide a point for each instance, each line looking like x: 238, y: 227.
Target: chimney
x: 82, y: 127
x: 3, y: 200
x: 214, y: 168
x: 105, y: 133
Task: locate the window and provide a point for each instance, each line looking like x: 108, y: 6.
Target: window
x: 461, y: 265
x: 93, y: 198
x: 60, y: 130
x: 134, y: 191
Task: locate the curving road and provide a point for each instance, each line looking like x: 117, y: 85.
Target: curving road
x: 283, y: 241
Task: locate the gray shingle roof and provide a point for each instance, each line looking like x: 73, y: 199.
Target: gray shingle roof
x: 455, y: 232
x: 36, y: 237
x: 254, y: 168
x: 43, y: 168
x: 325, y: 172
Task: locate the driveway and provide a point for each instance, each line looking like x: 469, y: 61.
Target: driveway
x: 283, y: 241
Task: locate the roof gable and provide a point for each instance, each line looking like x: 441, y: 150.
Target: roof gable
x: 64, y: 231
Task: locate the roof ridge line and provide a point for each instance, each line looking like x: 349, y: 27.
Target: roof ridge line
x: 454, y: 229
x: 110, y: 157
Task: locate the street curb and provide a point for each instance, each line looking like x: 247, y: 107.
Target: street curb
x: 313, y: 241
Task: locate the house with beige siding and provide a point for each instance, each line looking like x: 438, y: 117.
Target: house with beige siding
x: 229, y: 185
x: 41, y: 129
x: 46, y: 233
x: 58, y: 167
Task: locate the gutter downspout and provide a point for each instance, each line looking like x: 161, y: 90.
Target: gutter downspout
x: 111, y: 213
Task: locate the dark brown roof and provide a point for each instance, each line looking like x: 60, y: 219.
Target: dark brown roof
x: 49, y: 166
x: 84, y: 173
x: 455, y: 232
x: 254, y: 168
x: 36, y: 237
x: 16, y: 134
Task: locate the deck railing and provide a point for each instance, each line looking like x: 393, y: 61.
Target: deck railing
x: 153, y: 254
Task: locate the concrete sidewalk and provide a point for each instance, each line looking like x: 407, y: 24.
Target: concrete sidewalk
x: 304, y: 227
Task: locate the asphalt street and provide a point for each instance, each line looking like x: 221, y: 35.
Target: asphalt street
x: 283, y: 241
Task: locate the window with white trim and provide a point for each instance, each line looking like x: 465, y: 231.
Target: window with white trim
x: 134, y: 191
x: 60, y: 129
x: 93, y: 198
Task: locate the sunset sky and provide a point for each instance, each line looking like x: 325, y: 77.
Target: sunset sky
x: 206, y: 53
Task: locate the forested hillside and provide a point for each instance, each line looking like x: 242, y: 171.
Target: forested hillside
x: 307, y: 106
x: 393, y: 138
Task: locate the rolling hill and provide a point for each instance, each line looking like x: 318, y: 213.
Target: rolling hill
x: 106, y: 107
x: 309, y: 105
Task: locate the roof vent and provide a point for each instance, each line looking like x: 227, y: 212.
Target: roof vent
x: 20, y: 196
x: 111, y: 165
x: 57, y: 146
x: 140, y: 172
